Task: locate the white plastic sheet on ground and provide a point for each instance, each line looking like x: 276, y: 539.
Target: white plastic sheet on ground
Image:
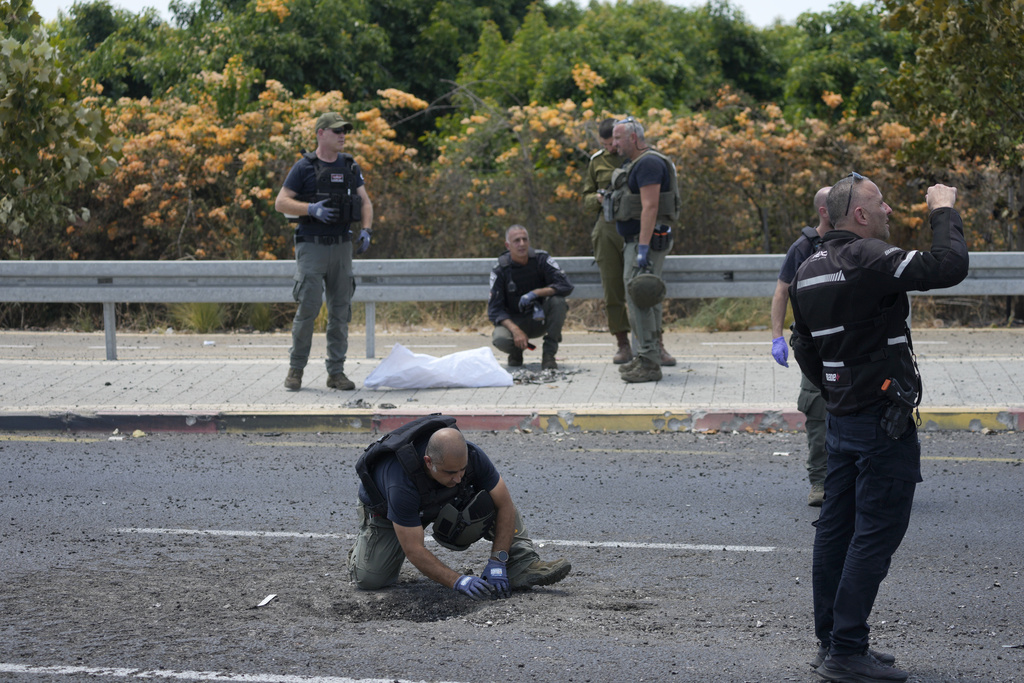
x: 403, y: 369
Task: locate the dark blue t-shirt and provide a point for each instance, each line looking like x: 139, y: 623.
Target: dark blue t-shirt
x: 649, y: 169
x: 797, y: 254
x: 401, y: 494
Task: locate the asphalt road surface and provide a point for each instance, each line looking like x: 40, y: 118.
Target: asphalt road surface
x: 146, y: 557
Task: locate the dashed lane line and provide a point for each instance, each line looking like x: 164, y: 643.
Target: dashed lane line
x: 539, y: 541
x: 219, y: 676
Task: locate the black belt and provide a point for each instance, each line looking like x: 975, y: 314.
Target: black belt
x: 322, y: 239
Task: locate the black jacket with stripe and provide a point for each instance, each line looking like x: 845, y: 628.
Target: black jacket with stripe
x: 850, y: 309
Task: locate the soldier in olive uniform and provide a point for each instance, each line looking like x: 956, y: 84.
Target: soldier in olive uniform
x: 607, y: 241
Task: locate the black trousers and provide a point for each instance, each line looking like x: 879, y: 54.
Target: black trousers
x: 869, y: 491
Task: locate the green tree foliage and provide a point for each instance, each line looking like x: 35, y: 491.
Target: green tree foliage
x: 845, y: 51
x: 51, y: 140
x: 965, y: 90
x: 129, y: 55
x: 965, y: 81
x: 741, y: 52
x: 427, y: 37
x: 645, y: 54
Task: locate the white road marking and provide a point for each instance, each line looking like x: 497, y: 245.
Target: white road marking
x: 128, y: 348
x: 659, y: 546
x: 539, y: 541
x: 258, y: 346
x: 220, y: 676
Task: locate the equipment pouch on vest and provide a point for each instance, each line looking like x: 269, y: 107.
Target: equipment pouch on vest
x: 662, y: 238
x: 457, y: 528
x: 902, y: 403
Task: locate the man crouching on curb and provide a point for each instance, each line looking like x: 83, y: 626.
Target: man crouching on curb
x: 426, y: 472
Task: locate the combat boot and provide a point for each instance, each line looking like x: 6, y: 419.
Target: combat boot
x: 862, y: 668
x: 515, y: 359
x: 625, y: 352
x: 666, y: 357
x: 541, y: 573
x: 822, y: 655
x: 644, y: 371
x: 548, y: 362
x: 340, y: 381
x: 817, y: 495
x: 630, y: 365
x: 293, y: 382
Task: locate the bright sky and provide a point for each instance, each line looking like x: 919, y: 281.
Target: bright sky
x: 759, y: 12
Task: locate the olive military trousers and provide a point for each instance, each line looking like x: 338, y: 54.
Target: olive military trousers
x: 322, y: 271
x: 608, y: 254
x: 376, y: 556
x: 645, y: 322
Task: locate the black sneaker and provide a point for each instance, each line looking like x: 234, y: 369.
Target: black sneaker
x: 858, y: 669
x: 883, y: 657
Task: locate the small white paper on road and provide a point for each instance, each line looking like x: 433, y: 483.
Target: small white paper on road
x: 403, y: 369
x: 267, y: 599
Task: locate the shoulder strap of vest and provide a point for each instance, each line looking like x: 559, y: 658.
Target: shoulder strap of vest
x: 505, y: 260
x: 347, y: 159
x: 812, y: 236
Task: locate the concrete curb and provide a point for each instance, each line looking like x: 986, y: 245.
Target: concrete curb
x: 563, y: 421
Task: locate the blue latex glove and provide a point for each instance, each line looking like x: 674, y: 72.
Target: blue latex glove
x: 364, y: 241
x: 495, y: 574
x: 526, y: 301
x: 322, y: 212
x: 780, y: 351
x: 642, y: 256
x: 474, y: 587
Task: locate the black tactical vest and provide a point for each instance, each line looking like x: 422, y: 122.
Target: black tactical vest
x: 401, y: 443
x: 337, y: 184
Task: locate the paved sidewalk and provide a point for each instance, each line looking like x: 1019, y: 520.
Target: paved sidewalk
x: 974, y: 379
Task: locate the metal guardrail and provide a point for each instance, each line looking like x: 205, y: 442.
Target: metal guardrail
x: 386, y: 280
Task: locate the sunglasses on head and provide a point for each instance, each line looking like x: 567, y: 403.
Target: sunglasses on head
x: 856, y: 176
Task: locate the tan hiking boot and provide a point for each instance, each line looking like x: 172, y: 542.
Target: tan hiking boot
x: 541, y: 573
x: 630, y: 365
x: 644, y: 371
x: 625, y: 352
x: 293, y: 382
x: 817, y: 495
x: 666, y: 357
x: 340, y: 381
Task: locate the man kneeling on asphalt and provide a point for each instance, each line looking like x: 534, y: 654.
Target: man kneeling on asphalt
x: 426, y: 472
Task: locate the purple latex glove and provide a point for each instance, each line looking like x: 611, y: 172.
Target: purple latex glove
x: 780, y: 351
x: 643, y: 256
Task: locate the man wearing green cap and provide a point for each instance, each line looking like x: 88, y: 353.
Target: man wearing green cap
x: 325, y: 190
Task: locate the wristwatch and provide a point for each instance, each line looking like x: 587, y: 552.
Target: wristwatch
x: 500, y: 556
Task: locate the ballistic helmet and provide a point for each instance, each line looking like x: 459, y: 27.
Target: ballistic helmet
x: 646, y: 290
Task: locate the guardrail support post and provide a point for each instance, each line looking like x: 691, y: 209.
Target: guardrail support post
x: 371, y: 323
x: 110, y: 329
